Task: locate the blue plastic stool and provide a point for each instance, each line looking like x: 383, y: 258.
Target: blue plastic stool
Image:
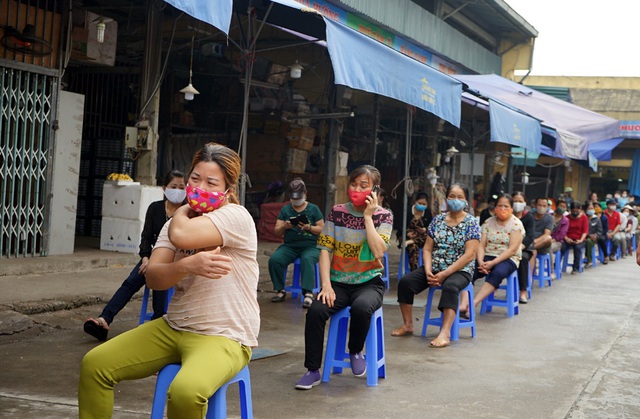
x: 542, y: 269
x: 511, y: 300
x: 336, y: 356
x: 295, y: 288
x: 557, y: 264
x: 458, y: 323
x: 565, y: 259
x: 402, y: 270
x: 147, y: 315
x: 385, y: 274
x: 633, y: 242
x: 618, y: 254
x: 529, y: 285
x: 217, y: 403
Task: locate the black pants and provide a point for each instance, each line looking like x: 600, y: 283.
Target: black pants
x: 416, y: 281
x: 127, y: 290
x: 523, y: 270
x: 364, y: 299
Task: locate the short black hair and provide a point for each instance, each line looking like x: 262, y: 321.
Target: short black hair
x: 574, y: 205
x: 546, y: 201
x: 421, y: 195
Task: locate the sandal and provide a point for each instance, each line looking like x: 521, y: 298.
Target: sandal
x: 278, y: 298
x: 97, y: 329
x: 308, y: 300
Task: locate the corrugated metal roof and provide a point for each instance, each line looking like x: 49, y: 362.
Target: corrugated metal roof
x: 413, y: 22
x: 562, y: 93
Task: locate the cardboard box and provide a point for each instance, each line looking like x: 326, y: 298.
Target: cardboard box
x: 120, y: 235
x: 128, y: 201
x: 296, y: 160
x: 301, y: 131
x: 301, y: 143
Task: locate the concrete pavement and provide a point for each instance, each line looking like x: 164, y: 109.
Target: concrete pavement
x: 572, y: 352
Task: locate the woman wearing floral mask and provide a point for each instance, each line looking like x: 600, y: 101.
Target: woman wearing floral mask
x: 213, y: 318
x: 352, y: 243
x: 299, y: 222
x: 500, y: 248
x: 157, y: 214
x: 449, y: 254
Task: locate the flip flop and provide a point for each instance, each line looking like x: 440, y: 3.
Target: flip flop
x: 444, y: 344
x: 95, y: 330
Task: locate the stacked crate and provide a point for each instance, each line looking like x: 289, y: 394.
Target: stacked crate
x: 124, y: 207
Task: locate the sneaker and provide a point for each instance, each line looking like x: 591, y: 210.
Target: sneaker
x: 523, y: 300
x: 358, y: 364
x: 309, y: 380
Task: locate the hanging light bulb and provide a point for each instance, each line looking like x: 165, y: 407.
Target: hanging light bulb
x: 450, y: 153
x: 190, y: 91
x: 296, y: 70
x: 100, y: 26
x: 525, y: 178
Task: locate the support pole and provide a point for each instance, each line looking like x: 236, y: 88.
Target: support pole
x: 407, y: 178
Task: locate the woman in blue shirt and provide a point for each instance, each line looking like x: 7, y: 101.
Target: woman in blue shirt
x: 448, y: 256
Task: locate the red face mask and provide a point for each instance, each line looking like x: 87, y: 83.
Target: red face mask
x: 358, y: 198
x: 503, y: 213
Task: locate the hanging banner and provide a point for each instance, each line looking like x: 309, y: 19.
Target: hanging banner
x: 511, y: 127
x: 407, y: 80
x: 214, y: 12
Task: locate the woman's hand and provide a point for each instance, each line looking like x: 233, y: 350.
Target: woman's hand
x: 435, y: 280
x: 210, y: 264
x: 327, y: 295
x: 372, y: 204
x: 143, y: 266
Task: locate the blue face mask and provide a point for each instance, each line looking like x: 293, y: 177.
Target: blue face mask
x: 456, y: 205
x: 591, y: 212
x: 421, y: 207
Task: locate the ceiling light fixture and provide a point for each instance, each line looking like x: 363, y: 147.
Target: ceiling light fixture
x: 190, y: 91
x: 101, y: 26
x: 296, y: 70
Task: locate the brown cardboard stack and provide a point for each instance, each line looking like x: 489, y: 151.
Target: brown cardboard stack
x: 301, y: 137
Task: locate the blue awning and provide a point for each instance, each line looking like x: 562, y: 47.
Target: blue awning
x: 602, y: 149
x: 407, y: 80
x: 634, y: 176
x: 512, y: 127
x: 214, y: 12
x: 575, y: 128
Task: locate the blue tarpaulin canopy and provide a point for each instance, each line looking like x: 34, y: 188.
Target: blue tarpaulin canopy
x: 634, y: 176
x: 512, y: 127
x: 574, y: 128
x: 408, y: 80
x: 602, y: 149
x: 214, y: 12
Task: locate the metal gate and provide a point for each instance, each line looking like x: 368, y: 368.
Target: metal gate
x: 26, y: 100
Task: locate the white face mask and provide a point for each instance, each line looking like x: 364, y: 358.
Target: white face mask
x: 297, y: 202
x: 518, y: 206
x: 175, y: 196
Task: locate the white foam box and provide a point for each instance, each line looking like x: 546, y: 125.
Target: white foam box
x: 128, y: 200
x: 120, y: 235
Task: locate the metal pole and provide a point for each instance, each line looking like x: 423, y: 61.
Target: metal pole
x: 407, y: 157
x: 245, y: 110
x: 524, y: 168
x: 374, y: 133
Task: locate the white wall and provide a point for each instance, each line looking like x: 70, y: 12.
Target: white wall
x: 66, y: 169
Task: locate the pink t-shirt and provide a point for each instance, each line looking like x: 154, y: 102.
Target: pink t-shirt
x: 227, y: 306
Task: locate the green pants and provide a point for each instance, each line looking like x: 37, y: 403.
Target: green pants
x: 286, y: 255
x: 207, y: 363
